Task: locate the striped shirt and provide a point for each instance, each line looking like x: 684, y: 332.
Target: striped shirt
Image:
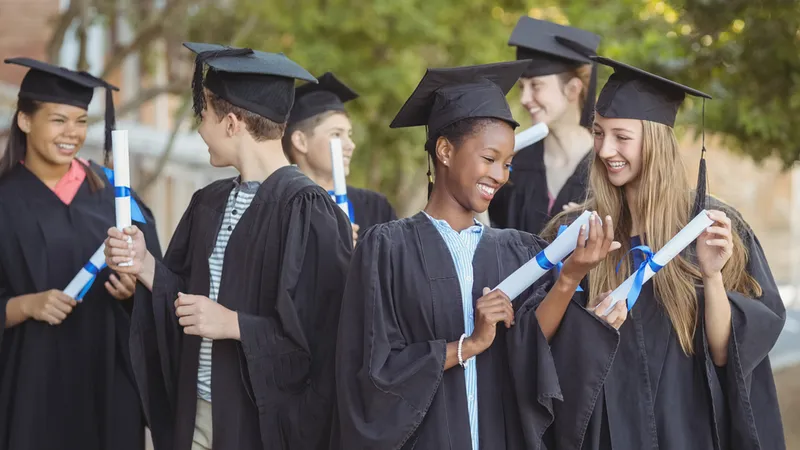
x: 238, y: 201
x: 462, y: 246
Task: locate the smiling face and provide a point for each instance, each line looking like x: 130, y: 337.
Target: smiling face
x: 618, y: 144
x: 477, y: 166
x: 549, y: 99
x: 54, y: 133
x: 318, y: 150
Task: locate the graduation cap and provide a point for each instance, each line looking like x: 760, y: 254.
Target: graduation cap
x: 311, y: 99
x: 54, y: 84
x: 632, y: 93
x: 551, y: 49
x: 445, y: 96
x: 259, y: 82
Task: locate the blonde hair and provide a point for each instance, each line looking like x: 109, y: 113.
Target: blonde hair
x: 664, y: 201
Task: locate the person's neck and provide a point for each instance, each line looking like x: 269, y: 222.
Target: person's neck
x: 49, y: 174
x: 324, y: 180
x: 631, y: 198
x: 567, y: 141
x: 443, y: 206
x: 258, y: 160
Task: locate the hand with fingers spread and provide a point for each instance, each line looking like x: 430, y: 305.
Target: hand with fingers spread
x: 119, y: 250
x: 494, y: 307
x: 52, y: 306
x: 715, y: 245
x: 201, y: 316
x: 589, y: 252
x: 121, y: 286
x: 617, y: 316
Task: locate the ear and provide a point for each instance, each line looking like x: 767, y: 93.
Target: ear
x: 24, y: 122
x: 299, y: 141
x: 444, y: 151
x: 572, y: 90
x: 233, y: 125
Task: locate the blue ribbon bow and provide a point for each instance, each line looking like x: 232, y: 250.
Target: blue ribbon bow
x: 124, y: 191
x: 94, y: 270
x: 638, y: 279
x: 560, y: 264
x: 339, y: 199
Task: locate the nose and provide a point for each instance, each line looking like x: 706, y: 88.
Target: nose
x: 348, y: 146
x: 498, y: 172
x: 604, y: 147
x: 526, y: 97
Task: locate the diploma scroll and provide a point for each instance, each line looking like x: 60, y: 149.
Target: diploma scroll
x: 530, y: 136
x: 545, y: 260
x: 122, y: 181
x: 80, y: 285
x: 649, y: 267
x: 339, y: 183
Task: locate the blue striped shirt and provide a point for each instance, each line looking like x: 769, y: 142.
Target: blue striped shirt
x: 462, y: 246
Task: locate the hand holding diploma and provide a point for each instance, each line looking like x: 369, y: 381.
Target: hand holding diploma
x: 122, y: 255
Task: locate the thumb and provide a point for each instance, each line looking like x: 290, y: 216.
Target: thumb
x: 486, y: 290
x: 615, y: 246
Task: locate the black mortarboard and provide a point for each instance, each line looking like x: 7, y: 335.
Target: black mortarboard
x: 552, y: 49
x: 54, y: 84
x: 445, y: 96
x: 260, y: 82
x: 311, y: 99
x: 632, y: 93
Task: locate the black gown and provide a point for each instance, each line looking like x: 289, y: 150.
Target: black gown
x: 656, y: 397
x: 402, y: 304
x: 522, y: 203
x: 68, y: 386
x: 284, y: 272
x: 369, y: 208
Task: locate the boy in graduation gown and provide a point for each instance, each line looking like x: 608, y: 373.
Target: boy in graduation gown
x: 236, y: 349
x: 318, y: 115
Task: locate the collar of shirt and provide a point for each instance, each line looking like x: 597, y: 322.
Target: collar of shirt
x: 248, y: 187
x: 439, y: 223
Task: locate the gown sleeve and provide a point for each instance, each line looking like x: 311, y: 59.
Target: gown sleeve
x: 289, y: 357
x: 384, y: 383
x: 749, y: 385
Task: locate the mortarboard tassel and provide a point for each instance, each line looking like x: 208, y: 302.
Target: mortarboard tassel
x: 430, y: 177
x: 111, y: 124
x: 198, y: 97
x: 700, y: 192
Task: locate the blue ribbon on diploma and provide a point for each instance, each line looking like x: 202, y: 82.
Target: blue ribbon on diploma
x: 638, y: 280
x: 339, y: 199
x: 94, y: 270
x: 124, y: 191
x: 560, y: 264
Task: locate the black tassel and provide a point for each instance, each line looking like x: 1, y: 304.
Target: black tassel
x: 702, y: 179
x: 198, y: 96
x: 430, y: 178
x: 587, y: 115
x: 111, y: 124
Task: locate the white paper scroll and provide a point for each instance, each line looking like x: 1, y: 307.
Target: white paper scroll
x: 122, y: 181
x: 530, y: 136
x: 96, y: 264
x: 531, y: 271
x: 339, y: 183
x: 671, y: 249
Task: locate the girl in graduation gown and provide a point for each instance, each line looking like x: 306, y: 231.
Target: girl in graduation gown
x: 421, y: 361
x: 318, y: 115
x: 65, y: 375
x: 558, y: 89
x: 691, y: 371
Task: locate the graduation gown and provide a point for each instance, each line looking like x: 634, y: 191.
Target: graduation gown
x: 68, y: 386
x: 401, y: 307
x: 656, y: 397
x: 369, y: 208
x: 522, y: 202
x: 284, y: 273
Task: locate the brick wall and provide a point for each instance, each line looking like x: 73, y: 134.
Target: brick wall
x: 24, y: 31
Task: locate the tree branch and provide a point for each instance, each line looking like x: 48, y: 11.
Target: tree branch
x: 151, y: 29
x: 145, y: 96
x: 59, y: 32
x: 83, y: 36
x: 180, y: 117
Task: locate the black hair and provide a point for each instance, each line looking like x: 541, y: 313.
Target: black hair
x: 17, y: 145
x: 455, y: 133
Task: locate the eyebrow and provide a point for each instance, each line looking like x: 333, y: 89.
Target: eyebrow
x: 82, y: 116
x: 622, y: 129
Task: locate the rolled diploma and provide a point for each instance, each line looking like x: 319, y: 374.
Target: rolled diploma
x: 671, y: 249
x: 122, y: 180
x: 530, y: 136
x: 531, y: 271
x: 339, y: 183
x: 84, y: 276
